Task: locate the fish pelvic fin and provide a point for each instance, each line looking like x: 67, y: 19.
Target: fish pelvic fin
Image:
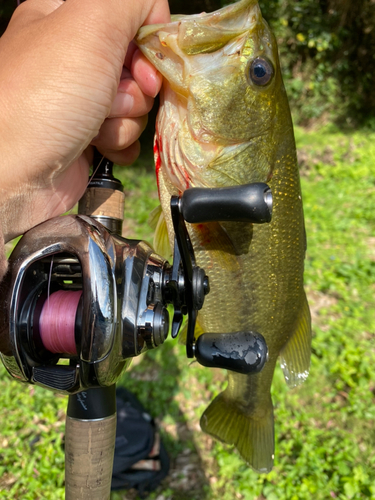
x: 251, y: 432
x: 161, y: 239
x: 295, y: 355
x: 182, y: 336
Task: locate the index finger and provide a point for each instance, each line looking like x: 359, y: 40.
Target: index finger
x: 145, y: 74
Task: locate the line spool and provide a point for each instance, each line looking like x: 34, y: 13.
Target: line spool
x: 57, y: 321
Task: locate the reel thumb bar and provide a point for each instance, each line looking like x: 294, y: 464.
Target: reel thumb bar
x: 91, y: 416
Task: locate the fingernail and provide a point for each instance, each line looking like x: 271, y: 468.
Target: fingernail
x: 157, y: 82
x: 122, y: 105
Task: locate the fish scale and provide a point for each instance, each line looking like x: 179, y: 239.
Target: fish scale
x: 221, y: 123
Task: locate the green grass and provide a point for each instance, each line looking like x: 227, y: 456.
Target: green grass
x: 325, y: 436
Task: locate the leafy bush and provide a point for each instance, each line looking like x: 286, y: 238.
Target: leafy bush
x: 326, y: 49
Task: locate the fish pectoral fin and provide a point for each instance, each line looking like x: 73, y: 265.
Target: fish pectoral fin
x: 153, y: 218
x: 295, y: 355
x: 252, y: 433
x: 161, y: 239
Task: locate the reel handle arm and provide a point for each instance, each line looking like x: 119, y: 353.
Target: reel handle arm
x: 242, y: 352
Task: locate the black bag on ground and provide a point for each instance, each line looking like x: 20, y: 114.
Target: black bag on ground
x: 141, y: 461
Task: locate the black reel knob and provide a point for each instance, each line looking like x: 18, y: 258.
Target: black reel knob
x: 241, y: 352
x: 245, y: 203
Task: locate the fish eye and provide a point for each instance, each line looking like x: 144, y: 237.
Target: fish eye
x: 261, y: 71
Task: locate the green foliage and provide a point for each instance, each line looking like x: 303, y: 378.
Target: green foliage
x: 140, y: 196
x: 324, y: 430
x: 31, y: 453
x: 326, y: 49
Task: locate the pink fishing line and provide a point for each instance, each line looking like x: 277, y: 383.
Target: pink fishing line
x: 57, y: 321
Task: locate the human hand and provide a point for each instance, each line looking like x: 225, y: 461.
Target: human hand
x: 64, y: 85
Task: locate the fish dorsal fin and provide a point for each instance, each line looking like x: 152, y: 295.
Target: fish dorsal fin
x: 295, y: 355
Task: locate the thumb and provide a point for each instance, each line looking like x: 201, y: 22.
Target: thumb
x: 119, y: 20
x: 32, y: 10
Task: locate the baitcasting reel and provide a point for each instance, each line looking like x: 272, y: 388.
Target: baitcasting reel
x: 81, y: 301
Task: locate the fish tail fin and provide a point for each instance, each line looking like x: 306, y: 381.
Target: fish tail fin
x: 295, y: 355
x: 252, y: 433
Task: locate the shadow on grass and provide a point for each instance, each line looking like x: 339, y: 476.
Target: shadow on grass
x: 154, y: 378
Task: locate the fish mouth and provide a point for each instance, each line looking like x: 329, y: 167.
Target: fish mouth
x: 169, y: 46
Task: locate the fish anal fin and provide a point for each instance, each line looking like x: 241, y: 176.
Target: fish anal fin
x: 251, y: 433
x: 295, y: 355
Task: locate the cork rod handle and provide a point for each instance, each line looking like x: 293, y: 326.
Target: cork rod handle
x: 90, y: 444
x: 89, y: 449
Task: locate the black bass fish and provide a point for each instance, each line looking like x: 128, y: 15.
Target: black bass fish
x: 224, y: 120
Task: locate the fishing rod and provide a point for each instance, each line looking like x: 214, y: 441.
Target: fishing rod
x: 90, y: 429
x: 81, y: 301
